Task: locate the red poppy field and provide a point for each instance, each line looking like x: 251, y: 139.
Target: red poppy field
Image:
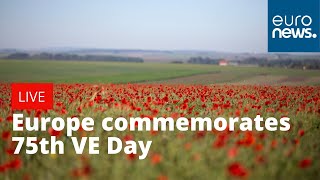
x: 294, y: 154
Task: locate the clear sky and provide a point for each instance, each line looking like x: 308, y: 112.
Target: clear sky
x: 220, y: 25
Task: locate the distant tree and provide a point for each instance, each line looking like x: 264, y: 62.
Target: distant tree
x: 201, y: 60
x: 177, y: 62
x: 19, y: 56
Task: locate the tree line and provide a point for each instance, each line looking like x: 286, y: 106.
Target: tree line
x: 284, y: 63
x: 203, y: 60
x: 264, y: 62
x: 70, y: 57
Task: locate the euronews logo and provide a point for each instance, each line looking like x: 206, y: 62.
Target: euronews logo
x: 293, y: 26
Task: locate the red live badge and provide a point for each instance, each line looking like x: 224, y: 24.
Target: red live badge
x: 31, y: 96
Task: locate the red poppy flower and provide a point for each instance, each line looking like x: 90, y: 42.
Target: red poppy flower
x: 6, y: 135
x: 156, y: 159
x: 131, y: 156
x: 301, y: 132
x: 304, y: 163
x: 232, y: 152
x: 53, y: 132
x: 128, y: 137
x: 236, y: 169
x: 162, y: 177
x: 9, y: 118
x: 15, y: 164
x: 3, y: 168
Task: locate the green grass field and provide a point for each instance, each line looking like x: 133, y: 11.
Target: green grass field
x: 111, y: 72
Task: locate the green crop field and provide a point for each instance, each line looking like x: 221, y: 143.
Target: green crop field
x: 112, y: 72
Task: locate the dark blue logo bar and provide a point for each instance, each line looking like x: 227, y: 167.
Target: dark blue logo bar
x: 293, y: 26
